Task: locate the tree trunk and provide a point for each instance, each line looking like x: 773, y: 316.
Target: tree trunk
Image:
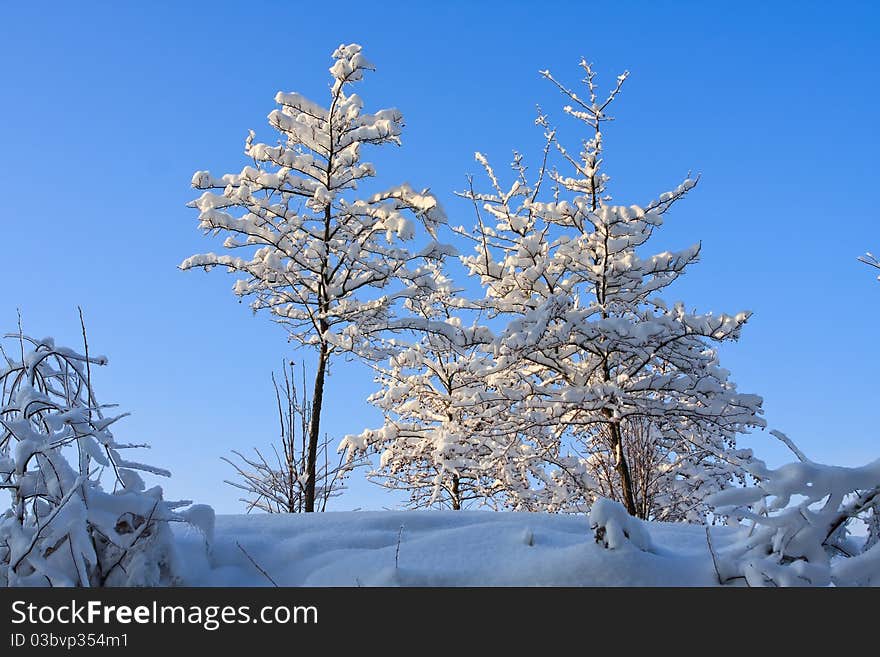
x: 622, y: 468
x: 318, y: 392
x: 315, y: 429
x: 456, y: 494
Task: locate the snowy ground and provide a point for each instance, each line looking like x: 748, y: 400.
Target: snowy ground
x: 440, y: 549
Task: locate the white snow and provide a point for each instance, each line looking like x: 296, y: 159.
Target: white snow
x: 615, y: 528
x: 442, y: 548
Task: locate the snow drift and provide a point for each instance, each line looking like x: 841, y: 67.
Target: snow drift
x: 442, y: 548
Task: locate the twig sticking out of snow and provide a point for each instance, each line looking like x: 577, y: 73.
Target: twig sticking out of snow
x: 721, y: 579
x: 256, y: 565
x: 714, y: 559
x: 397, y: 549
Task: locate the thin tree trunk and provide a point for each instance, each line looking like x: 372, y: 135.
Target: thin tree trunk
x: 456, y: 494
x: 620, y: 462
x: 315, y: 428
x: 622, y: 468
x: 318, y: 392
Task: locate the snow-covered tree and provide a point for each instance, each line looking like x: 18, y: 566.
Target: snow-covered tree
x: 62, y: 527
x: 435, y: 403
x: 590, y: 351
x: 325, y: 264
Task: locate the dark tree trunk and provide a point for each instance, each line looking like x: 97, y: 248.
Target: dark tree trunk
x: 315, y: 429
x: 622, y: 468
x: 456, y: 494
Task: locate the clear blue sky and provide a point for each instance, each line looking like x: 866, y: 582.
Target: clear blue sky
x: 106, y: 110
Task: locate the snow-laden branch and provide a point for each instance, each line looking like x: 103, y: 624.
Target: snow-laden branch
x: 798, y: 521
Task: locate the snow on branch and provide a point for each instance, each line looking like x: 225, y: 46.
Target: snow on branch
x: 871, y: 260
x: 612, y: 391
x: 798, y: 519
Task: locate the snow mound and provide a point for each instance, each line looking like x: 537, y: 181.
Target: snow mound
x: 614, y: 528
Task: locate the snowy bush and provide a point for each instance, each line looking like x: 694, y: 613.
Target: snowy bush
x: 799, y: 520
x: 62, y: 527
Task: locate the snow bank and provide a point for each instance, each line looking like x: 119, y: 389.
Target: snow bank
x: 442, y: 548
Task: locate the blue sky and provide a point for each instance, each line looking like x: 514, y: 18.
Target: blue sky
x: 108, y: 108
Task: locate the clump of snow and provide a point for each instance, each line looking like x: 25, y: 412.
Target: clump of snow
x: 202, y: 517
x: 614, y: 528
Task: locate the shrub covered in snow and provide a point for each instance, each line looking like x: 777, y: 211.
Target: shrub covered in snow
x: 62, y: 527
x: 798, y: 526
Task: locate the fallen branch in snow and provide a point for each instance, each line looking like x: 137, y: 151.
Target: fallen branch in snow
x: 613, y: 527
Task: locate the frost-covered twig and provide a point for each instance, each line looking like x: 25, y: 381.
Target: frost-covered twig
x: 788, y: 442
